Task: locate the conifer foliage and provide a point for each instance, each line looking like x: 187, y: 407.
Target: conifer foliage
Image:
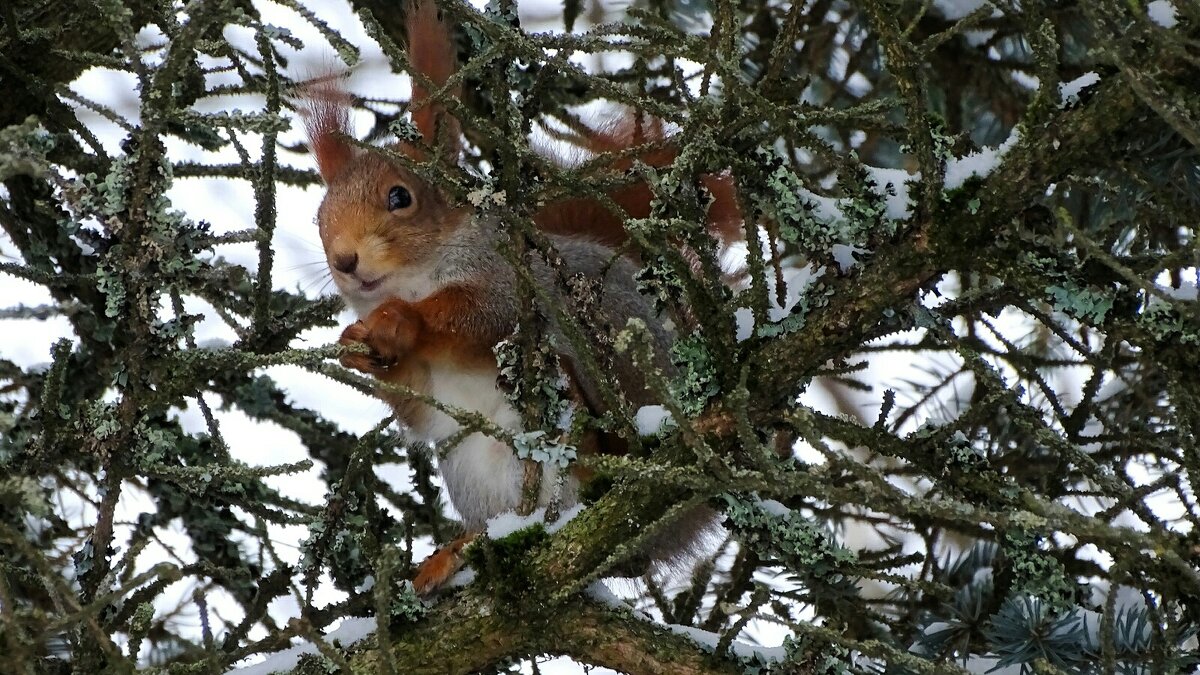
x: 947, y: 400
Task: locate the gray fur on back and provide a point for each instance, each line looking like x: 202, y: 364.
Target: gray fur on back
x: 676, y: 544
x: 618, y: 299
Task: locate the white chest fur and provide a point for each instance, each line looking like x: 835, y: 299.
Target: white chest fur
x: 406, y: 284
x: 482, y: 475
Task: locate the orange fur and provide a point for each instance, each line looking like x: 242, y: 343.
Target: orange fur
x: 398, y: 331
x: 403, y: 338
x: 585, y: 216
x: 432, y: 54
x: 436, y: 570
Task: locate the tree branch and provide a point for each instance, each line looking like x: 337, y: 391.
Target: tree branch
x: 469, y: 632
x: 951, y: 238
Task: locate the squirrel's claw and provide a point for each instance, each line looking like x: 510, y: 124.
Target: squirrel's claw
x: 357, y: 333
x: 389, y: 333
x: 392, y: 331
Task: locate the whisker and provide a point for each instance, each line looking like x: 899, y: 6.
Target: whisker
x: 293, y: 268
x: 306, y: 242
x: 313, y: 280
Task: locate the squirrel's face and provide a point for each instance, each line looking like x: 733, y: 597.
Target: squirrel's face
x: 384, y: 231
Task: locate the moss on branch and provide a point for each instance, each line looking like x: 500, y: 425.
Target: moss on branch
x: 467, y: 633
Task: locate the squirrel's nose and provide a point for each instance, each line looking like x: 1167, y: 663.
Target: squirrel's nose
x: 345, y: 262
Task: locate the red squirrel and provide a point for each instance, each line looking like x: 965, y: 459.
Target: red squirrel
x: 435, y: 297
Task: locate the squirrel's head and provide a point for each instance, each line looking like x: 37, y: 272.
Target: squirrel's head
x: 383, y: 227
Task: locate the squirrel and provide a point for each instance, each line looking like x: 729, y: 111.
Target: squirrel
x: 435, y: 297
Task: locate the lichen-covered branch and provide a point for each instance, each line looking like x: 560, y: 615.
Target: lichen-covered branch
x: 467, y: 633
x: 937, y: 411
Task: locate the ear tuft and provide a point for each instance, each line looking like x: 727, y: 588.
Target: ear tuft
x: 326, y: 111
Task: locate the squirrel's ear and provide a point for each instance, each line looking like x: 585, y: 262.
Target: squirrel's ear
x: 434, y: 58
x: 326, y: 112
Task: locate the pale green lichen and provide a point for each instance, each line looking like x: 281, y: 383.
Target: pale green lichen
x: 1166, y: 323
x: 23, y: 149
x: 697, y: 379
x: 1037, y: 573
x: 1081, y: 303
x: 789, y: 538
x: 405, y: 603
x: 540, y: 447
x: 21, y: 494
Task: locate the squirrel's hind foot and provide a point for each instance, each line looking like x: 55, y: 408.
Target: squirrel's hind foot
x: 436, y: 570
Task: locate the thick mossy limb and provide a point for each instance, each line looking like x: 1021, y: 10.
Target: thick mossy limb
x: 468, y: 632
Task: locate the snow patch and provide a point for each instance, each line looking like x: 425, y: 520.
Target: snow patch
x: 899, y: 207
x: 976, y: 38
x: 1186, y: 292
x: 601, y: 593
x: 506, y: 523
x: 981, y: 163
x: 462, y: 578
x: 651, y: 419
x: 795, y: 281
x: 350, y: 631
x: 843, y: 255
x: 825, y: 209
x: 990, y: 665
x: 745, y: 650
x: 1068, y: 92
x: 953, y: 10
x: 745, y: 323
x: 1163, y: 13
x: 774, y: 508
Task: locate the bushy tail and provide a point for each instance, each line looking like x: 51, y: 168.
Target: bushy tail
x: 585, y: 216
x: 433, y: 58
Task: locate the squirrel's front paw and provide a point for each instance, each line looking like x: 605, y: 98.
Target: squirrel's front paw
x: 356, y: 334
x: 389, y: 333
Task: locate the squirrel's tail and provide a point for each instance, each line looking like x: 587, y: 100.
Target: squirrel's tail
x: 433, y: 58
x: 325, y: 103
x: 586, y: 216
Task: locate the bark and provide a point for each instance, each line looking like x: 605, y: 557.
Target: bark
x: 44, y: 54
x: 471, y: 632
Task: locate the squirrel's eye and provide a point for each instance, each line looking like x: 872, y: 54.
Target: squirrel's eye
x: 399, y: 198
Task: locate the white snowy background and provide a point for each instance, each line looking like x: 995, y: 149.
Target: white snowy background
x: 299, y: 264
